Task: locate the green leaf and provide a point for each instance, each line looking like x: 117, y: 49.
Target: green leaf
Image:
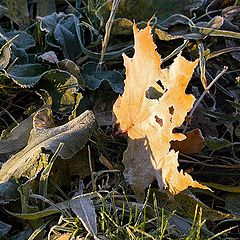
x: 62, y: 31
x: 4, y: 228
x: 82, y: 104
x: 216, y: 144
x: 62, y: 87
x: 25, y: 190
x: 67, y: 41
x: 226, y: 188
x: 72, y: 68
x: 20, y: 55
x: 121, y: 26
x: 8, y: 192
x: 94, y: 79
x: 27, y: 75
x: 185, y: 205
x: 56, y: 208
x: 23, y: 39
x: 40, y: 214
x: 66, y: 36
x: 48, y: 24
x: 25, y: 234
x: 216, y: 32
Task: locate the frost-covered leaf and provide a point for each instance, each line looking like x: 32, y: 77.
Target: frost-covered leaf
x: 84, y: 209
x: 17, y: 139
x: 23, y: 39
x: 48, y: 24
x: 66, y: 40
x: 19, y: 54
x: 4, y: 228
x: 61, y: 85
x: 94, y: 78
x: 27, y: 75
x: 148, y: 122
x: 25, y: 234
x: 216, y: 144
x: 62, y: 31
x: 50, y: 57
x: 177, y: 25
x: 19, y: 42
x: 8, y: 192
x: 73, y: 134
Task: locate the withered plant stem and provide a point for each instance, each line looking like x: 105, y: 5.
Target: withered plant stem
x: 225, y: 68
x: 108, y: 28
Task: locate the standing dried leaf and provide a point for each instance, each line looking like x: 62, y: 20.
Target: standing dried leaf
x: 150, y: 122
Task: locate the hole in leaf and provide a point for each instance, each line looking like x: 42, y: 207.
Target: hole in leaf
x: 160, y: 84
x: 171, y: 110
x: 159, y: 120
x: 153, y: 93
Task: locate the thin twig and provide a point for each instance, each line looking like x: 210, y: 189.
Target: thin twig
x: 108, y: 28
x: 225, y: 68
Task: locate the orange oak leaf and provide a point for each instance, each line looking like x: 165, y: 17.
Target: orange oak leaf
x: 149, y: 122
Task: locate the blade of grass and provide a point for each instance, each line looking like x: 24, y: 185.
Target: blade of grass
x: 202, y: 64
